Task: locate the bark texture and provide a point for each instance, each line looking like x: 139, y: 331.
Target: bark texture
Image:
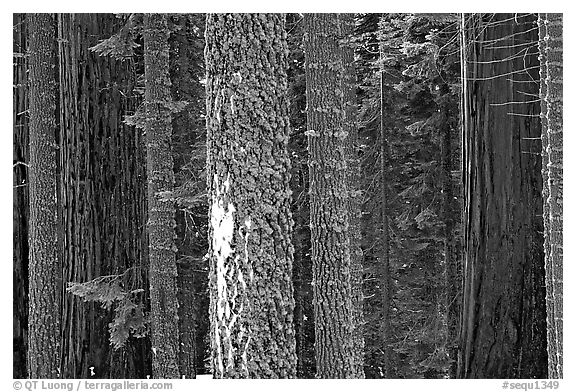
x: 551, y: 81
x: 45, y: 280
x: 354, y: 195
x: 20, y: 154
x: 251, y: 254
x: 329, y: 217
x: 161, y: 223
x: 101, y: 194
x: 503, y: 331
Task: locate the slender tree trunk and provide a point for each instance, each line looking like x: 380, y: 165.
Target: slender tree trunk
x: 384, y: 259
x: 298, y: 279
x: 45, y: 281
x: 551, y: 81
x: 185, y: 87
x: 503, y: 327
x: 251, y: 254
x: 354, y: 195
x: 161, y: 224
x: 329, y: 217
x: 20, y: 154
x: 450, y: 268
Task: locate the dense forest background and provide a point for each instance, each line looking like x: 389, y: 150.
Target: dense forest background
x: 287, y: 196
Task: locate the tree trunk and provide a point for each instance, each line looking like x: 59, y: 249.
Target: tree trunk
x: 450, y: 269
x: 101, y: 194
x: 503, y: 323
x: 384, y: 259
x: 161, y: 224
x: 251, y: 254
x: 551, y: 94
x: 45, y: 281
x: 329, y: 217
x: 20, y: 154
x: 354, y: 195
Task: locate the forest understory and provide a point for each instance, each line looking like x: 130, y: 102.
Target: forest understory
x: 287, y: 196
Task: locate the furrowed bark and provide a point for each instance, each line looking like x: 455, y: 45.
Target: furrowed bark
x: 551, y: 58
x: 161, y: 224
x: 353, y: 182
x: 329, y: 217
x: 45, y: 280
x: 101, y: 194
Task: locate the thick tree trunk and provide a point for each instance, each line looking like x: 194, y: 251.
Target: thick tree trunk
x: 101, y: 195
x: 329, y: 217
x: 251, y: 254
x: 20, y: 197
x: 161, y: 224
x: 503, y: 323
x: 354, y: 195
x: 45, y: 280
x: 551, y: 81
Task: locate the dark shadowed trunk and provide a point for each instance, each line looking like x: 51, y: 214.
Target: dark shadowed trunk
x: 20, y: 197
x: 186, y: 59
x: 503, y: 331
x: 101, y: 194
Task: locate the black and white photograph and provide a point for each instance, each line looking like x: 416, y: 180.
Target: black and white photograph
x: 287, y: 196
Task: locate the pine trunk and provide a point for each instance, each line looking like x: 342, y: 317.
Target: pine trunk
x: 161, y: 224
x: 503, y: 331
x: 551, y: 81
x: 251, y: 254
x: 45, y: 281
x: 329, y: 217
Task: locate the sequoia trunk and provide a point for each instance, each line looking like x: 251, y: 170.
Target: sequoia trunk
x: 101, y: 193
x: 503, y: 331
